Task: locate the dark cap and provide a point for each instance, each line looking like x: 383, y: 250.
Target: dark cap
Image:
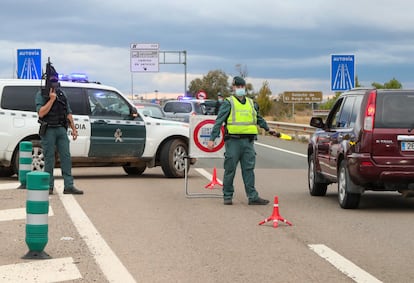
x: 239, y: 81
x: 219, y: 94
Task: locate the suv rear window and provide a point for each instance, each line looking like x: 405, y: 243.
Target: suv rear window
x: 394, y: 110
x: 178, y: 107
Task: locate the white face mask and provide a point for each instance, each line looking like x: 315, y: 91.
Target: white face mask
x: 240, y: 91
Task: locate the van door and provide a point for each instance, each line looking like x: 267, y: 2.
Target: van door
x: 80, y: 111
x: 114, y: 132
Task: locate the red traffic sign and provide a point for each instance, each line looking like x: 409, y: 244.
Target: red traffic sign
x: 202, y: 133
x: 201, y: 94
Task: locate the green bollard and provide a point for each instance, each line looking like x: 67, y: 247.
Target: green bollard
x: 37, y: 210
x: 25, y: 162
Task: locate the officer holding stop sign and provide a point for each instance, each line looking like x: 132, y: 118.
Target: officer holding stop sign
x: 240, y: 116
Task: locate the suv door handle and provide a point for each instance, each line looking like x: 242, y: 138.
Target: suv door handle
x: 100, y: 122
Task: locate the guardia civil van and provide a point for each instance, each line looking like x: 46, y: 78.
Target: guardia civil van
x: 111, y: 132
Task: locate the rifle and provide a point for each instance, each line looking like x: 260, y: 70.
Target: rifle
x: 51, y: 78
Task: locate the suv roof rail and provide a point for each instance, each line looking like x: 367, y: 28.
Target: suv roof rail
x: 362, y: 88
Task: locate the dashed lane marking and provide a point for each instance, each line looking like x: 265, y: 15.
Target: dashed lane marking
x: 50, y: 270
x: 281, y: 149
x: 344, y: 265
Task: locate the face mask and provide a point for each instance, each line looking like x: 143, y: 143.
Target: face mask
x: 220, y: 99
x: 240, y: 91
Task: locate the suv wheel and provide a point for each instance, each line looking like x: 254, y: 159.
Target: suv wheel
x: 315, y: 188
x: 172, y: 158
x: 346, y: 199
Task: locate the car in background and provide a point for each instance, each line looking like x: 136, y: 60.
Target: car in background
x: 366, y: 143
x: 149, y: 109
x: 209, y: 106
x: 182, y: 110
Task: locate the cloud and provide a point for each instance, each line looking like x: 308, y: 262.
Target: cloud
x: 287, y: 43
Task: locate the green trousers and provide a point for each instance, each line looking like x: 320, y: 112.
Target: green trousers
x: 239, y: 150
x: 57, y: 138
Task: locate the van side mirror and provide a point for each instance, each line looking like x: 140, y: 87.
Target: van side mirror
x: 134, y: 112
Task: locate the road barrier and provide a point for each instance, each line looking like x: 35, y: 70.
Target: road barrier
x: 296, y: 129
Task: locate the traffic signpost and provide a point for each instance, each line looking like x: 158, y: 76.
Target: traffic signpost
x: 342, y: 72
x: 201, y: 95
x: 29, y: 64
x: 302, y: 96
x: 144, y: 57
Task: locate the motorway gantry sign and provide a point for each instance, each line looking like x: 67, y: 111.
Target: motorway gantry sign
x: 145, y: 57
x: 302, y: 96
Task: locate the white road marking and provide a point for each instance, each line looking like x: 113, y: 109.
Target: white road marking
x: 109, y: 263
x: 281, y: 149
x: 344, y: 265
x: 49, y: 270
x: 16, y: 214
x: 206, y: 175
x: 9, y: 186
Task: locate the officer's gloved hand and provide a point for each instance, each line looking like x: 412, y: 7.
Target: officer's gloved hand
x: 274, y: 133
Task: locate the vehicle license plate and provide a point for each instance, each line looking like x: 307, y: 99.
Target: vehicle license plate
x: 407, y: 146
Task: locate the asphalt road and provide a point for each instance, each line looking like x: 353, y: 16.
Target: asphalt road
x: 145, y: 229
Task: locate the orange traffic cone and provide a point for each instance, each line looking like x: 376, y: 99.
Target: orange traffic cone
x: 214, y: 181
x: 275, y: 215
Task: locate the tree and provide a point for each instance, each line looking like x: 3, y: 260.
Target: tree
x: 263, y: 99
x: 392, y: 84
x: 241, y: 70
x: 214, y: 82
x: 331, y: 101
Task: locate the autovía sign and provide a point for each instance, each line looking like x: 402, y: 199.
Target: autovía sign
x: 342, y: 72
x: 29, y: 64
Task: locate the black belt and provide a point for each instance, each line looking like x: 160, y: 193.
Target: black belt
x: 251, y: 137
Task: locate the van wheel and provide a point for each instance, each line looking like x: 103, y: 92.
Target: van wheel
x: 346, y: 200
x: 38, y: 161
x: 136, y: 171
x: 172, y: 158
x: 315, y: 188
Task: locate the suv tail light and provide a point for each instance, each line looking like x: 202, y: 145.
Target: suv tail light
x: 369, y: 117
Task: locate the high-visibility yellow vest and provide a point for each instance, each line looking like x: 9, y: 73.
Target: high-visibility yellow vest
x: 242, y: 118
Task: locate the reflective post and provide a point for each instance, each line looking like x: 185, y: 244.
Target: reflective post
x: 25, y: 162
x: 37, y: 210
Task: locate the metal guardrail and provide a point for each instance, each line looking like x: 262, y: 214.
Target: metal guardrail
x: 297, y: 129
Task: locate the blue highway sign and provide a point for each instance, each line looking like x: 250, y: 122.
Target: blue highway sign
x: 342, y: 72
x: 29, y: 64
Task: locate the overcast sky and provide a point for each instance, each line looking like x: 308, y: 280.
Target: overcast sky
x: 285, y: 42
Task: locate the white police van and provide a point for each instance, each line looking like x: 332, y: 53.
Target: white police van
x: 111, y: 132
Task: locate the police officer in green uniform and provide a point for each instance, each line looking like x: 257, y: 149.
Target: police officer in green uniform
x: 240, y: 116
x: 55, y: 116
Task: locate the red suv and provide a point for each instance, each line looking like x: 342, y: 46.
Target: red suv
x: 366, y: 143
